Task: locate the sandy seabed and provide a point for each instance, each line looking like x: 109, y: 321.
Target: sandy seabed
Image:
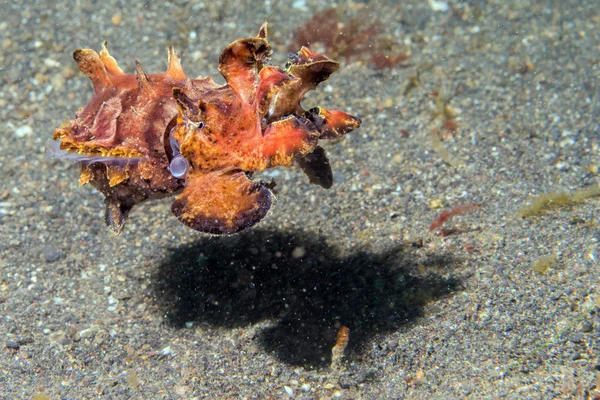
x: 497, y: 104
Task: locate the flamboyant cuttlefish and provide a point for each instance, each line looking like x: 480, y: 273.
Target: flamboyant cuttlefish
x: 144, y: 137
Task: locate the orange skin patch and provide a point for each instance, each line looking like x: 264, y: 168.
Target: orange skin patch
x: 150, y: 136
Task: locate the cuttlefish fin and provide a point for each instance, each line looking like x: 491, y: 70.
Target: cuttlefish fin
x: 316, y: 166
x: 241, y: 62
x: 221, y: 202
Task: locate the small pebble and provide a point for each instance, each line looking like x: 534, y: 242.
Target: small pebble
x: 116, y: 19
x: 50, y: 63
x: 52, y: 254
x: 586, y: 327
x: 299, y: 252
x: 576, y: 338
x: 439, y: 5
x: 23, y: 131
x: 100, y: 337
x: 11, y: 344
x: 166, y: 352
x: 87, y: 333
x: 299, y: 4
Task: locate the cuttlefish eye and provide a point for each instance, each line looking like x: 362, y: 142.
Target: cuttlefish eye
x: 193, y: 124
x: 179, y: 166
x: 175, y: 145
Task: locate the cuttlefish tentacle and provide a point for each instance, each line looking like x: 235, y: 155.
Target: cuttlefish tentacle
x: 179, y: 164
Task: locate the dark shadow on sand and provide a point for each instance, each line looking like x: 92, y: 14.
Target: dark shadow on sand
x: 303, y: 284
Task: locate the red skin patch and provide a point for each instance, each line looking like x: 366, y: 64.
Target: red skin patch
x: 135, y: 125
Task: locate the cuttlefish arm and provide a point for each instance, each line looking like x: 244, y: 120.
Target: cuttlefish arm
x: 221, y: 202
x: 316, y: 166
x: 241, y: 62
